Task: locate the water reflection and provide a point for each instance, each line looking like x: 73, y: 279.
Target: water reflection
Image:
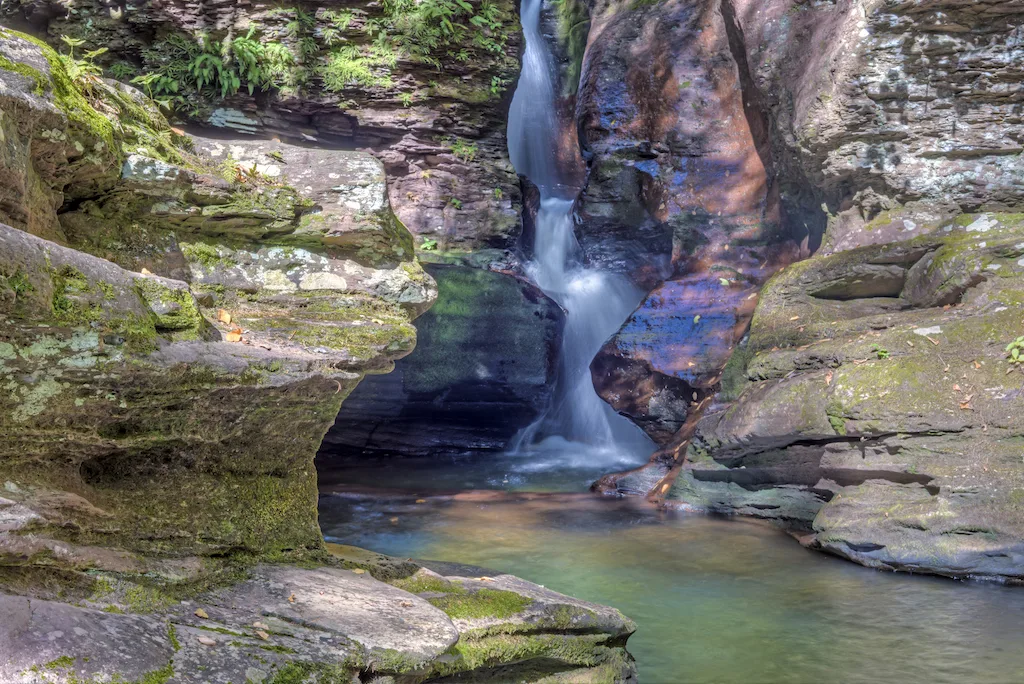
x: 715, y: 600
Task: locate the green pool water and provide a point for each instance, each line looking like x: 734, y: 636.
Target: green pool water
x: 715, y: 600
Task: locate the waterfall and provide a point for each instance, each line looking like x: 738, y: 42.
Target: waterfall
x: 578, y: 429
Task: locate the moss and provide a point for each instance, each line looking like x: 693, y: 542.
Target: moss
x: 482, y: 603
x: 172, y: 636
x: 304, y: 673
x: 462, y: 603
x: 838, y: 424
x: 62, y: 662
x: 70, y: 100
x: 207, y: 255
x: 39, y: 81
x: 146, y: 599
x: 474, y: 654
x: 179, y: 309
x: 423, y: 582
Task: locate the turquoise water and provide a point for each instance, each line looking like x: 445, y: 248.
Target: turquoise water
x: 715, y: 600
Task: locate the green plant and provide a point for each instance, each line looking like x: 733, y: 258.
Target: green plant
x: 462, y: 149
x: 428, y: 245
x: 498, y: 193
x: 879, y: 352
x: 122, y: 71
x: 498, y: 86
x: 1015, y: 351
x: 84, y: 71
x: 405, y: 99
x: 455, y: 202
x: 347, y: 66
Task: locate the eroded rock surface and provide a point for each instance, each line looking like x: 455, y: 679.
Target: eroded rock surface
x: 169, y: 368
x: 358, y: 77
x: 325, y: 624
x: 884, y: 423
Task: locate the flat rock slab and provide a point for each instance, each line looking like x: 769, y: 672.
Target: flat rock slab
x: 41, y: 641
x: 358, y: 607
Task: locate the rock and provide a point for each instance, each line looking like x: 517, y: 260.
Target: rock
x: 319, y: 624
x: 440, y: 133
x: 681, y: 193
x: 884, y: 426
x: 482, y: 371
x: 132, y: 416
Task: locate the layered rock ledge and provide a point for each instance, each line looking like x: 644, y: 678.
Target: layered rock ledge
x: 180, y: 320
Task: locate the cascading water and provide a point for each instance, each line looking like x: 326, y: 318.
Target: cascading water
x: 578, y: 429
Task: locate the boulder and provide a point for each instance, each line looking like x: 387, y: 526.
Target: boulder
x: 324, y: 623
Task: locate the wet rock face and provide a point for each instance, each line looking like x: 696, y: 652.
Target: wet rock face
x: 482, y: 370
x: 884, y: 423
x: 176, y: 340
x: 680, y: 186
x: 439, y: 132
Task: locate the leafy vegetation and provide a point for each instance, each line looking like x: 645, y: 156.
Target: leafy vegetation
x: 330, y: 45
x: 1015, y: 351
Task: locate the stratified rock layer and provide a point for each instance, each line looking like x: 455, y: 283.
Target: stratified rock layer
x: 439, y: 130
x: 168, y: 370
x: 885, y: 422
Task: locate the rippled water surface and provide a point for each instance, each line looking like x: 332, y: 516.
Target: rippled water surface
x: 715, y: 600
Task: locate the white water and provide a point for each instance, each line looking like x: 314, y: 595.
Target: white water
x: 578, y: 429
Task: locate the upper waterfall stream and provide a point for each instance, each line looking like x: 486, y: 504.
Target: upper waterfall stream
x: 578, y: 426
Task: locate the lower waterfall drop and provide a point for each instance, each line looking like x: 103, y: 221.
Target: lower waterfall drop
x: 578, y: 429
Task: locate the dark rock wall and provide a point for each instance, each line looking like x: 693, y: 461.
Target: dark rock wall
x: 481, y: 371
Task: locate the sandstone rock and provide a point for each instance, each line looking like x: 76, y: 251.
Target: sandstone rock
x: 439, y: 132
x: 320, y: 624
x: 886, y: 429
x: 133, y: 415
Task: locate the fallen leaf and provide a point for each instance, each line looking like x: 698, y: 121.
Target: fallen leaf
x: 696, y: 319
x: 956, y: 388
x: 859, y: 361
x: 234, y: 336
x: 394, y: 521
x: 795, y: 318
x: 406, y: 604
x: 200, y: 613
x: 690, y: 364
x: 262, y: 635
x: 828, y: 378
x: 421, y: 501
x: 359, y: 571
x: 977, y: 365
x: 223, y: 316
x: 485, y: 579
x: 910, y: 343
x: 935, y: 342
x: 176, y: 131
x: 146, y: 271
x: 260, y: 625
x: 207, y: 641
x: 291, y: 599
